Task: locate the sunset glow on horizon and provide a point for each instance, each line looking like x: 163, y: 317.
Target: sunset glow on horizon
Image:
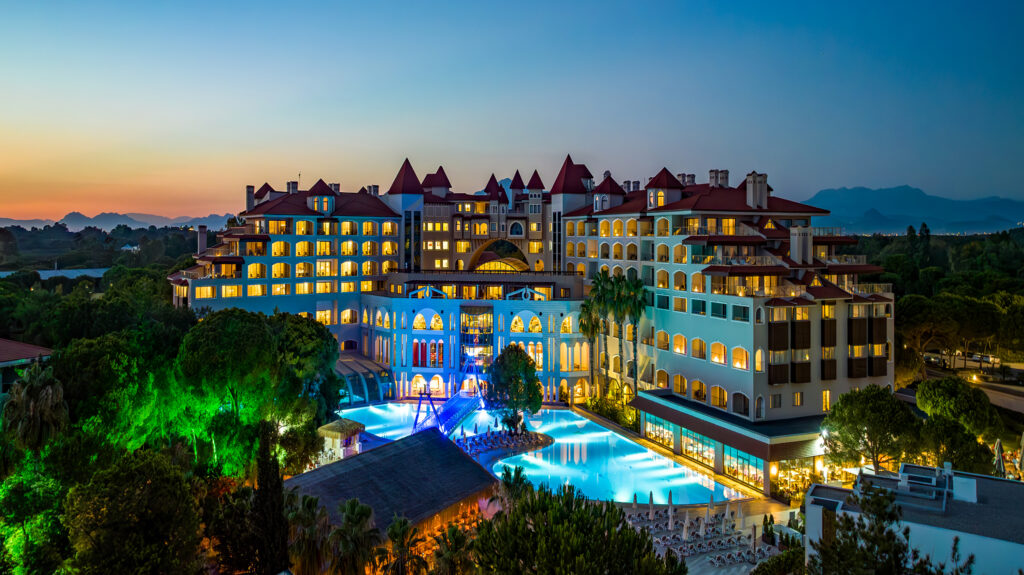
x: 173, y: 109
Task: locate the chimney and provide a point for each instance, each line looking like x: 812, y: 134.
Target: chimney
x: 375, y: 190
x: 293, y: 187
x: 681, y: 177
x: 723, y: 178
x: 800, y: 245
x: 335, y: 187
x: 201, y: 239
x: 607, y: 174
x: 636, y: 185
x: 691, y: 179
x: 752, y: 190
x: 713, y: 178
x: 250, y: 199
x: 757, y: 190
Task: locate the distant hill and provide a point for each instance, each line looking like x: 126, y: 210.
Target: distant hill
x: 891, y: 210
x: 76, y: 221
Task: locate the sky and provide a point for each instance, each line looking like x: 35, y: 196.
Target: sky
x: 171, y: 108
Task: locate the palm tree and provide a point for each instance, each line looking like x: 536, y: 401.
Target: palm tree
x: 35, y: 411
x: 635, y: 304
x: 512, y: 487
x: 601, y: 295
x: 354, y: 541
x: 400, y: 559
x: 453, y: 555
x: 309, y: 529
x: 590, y: 326
x: 618, y: 307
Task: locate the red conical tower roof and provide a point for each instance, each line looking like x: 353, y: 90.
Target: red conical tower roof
x: 320, y: 188
x: 406, y: 181
x: 493, y: 190
x: 438, y: 179
x: 664, y: 181
x: 535, y: 183
x: 517, y: 182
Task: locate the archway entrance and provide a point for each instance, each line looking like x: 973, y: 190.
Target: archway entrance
x: 499, y: 254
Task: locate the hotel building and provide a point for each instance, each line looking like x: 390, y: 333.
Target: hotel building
x: 755, y: 321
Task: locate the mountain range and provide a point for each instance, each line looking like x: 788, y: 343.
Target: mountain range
x: 891, y: 210
x: 77, y: 221
x: 859, y: 210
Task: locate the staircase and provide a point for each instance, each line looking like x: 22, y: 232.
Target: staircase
x: 453, y: 411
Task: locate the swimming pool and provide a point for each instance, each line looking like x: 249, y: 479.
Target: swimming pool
x: 599, y: 462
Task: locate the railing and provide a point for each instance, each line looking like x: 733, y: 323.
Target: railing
x: 833, y: 231
x: 847, y: 259
x: 868, y: 289
x: 749, y: 291
x: 739, y: 230
x: 734, y: 260
x: 217, y: 251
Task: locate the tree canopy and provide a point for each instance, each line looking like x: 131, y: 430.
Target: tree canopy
x: 513, y: 385
x: 869, y: 422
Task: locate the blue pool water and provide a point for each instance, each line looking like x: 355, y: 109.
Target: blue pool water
x: 599, y: 462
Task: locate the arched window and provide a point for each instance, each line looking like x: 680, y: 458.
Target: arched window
x: 391, y: 266
x: 679, y: 344
x: 759, y: 360
x: 631, y: 273
x: 348, y: 228
x: 617, y: 271
x: 416, y: 353
x: 436, y: 323
x: 517, y: 325
x: 516, y: 229
x: 740, y: 358
x: 663, y: 227
x: 662, y: 279
x: 389, y: 248
x: 698, y: 349
x: 617, y: 364
x: 304, y: 249
x: 631, y: 252
x: 740, y: 404
x: 617, y: 251
x: 662, y: 340
x: 661, y: 198
x: 604, y: 268
x: 369, y: 268
x: 679, y: 384
x: 759, y: 315
x: 718, y: 353
x: 369, y: 228
x: 348, y: 248
x: 679, y: 281
x: 387, y: 320
x: 629, y: 332
x: 662, y: 379
x: 700, y: 391
x: 617, y: 228
x: 303, y: 228
x: 759, y: 408
x: 581, y: 228
x: 379, y: 319
x: 281, y: 270
x: 570, y: 228
x: 280, y: 249
x: 719, y: 397
x: 563, y: 357
x: 535, y: 325
x: 390, y: 228
x: 679, y: 254
x: 581, y: 250
x: 663, y: 253
x: 631, y: 227
x: 419, y: 322
x: 697, y: 284
x: 567, y: 325
x: 304, y: 270
x: 349, y: 268
x: 570, y: 249
x: 369, y: 248
x: 257, y: 271
x: 606, y: 229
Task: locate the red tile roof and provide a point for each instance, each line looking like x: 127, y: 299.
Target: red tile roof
x: 827, y: 292
x: 535, y: 183
x: 11, y: 351
x: 570, y: 178
x: 664, y: 181
x: 406, y: 181
x: 362, y: 206
x: 609, y: 186
x: 263, y: 191
x: 517, y: 182
x: 438, y: 179
x: 286, y: 205
x: 320, y: 188
x: 703, y: 198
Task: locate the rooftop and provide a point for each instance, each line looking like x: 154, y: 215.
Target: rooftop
x: 15, y: 351
x: 416, y: 477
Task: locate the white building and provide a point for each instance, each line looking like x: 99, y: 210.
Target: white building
x: 938, y: 505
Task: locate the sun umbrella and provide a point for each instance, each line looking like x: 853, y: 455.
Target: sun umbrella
x: 727, y: 523
x: 753, y: 537
x: 1020, y: 456
x: 670, y: 522
x: 1000, y: 466
x: 634, y: 501
x: 475, y: 429
x: 739, y: 515
x: 650, y: 507
x: 686, y: 526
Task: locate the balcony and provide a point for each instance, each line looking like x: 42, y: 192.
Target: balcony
x: 221, y: 250
x: 828, y: 232
x: 739, y: 230
x: 738, y: 260
x: 869, y: 289
x: 763, y: 291
x: 847, y: 259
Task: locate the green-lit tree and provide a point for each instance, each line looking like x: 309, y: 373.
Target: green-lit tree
x: 563, y: 532
x: 35, y: 411
x: 454, y: 552
x: 355, y: 540
x: 137, y: 516
x: 870, y: 542
x: 618, y: 305
x: 869, y: 423
x: 398, y: 558
x: 513, y: 385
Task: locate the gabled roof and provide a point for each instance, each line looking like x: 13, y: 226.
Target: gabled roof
x: 570, y: 178
x: 664, y: 181
x: 438, y: 179
x: 406, y: 181
x: 609, y: 186
x: 286, y: 205
x: 535, y: 183
x: 320, y: 188
x: 493, y: 191
x: 416, y: 477
x: 12, y: 351
x: 263, y: 191
x: 517, y: 182
x: 704, y: 198
x: 362, y: 205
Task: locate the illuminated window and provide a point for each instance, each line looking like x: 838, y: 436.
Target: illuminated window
x: 304, y: 228
x: 759, y: 360
x: 348, y: 228
x: 325, y: 248
x: 347, y: 287
x: 698, y: 349
x: 719, y: 397
x: 369, y: 248
x: 535, y: 325
x: 326, y: 286
x: 256, y: 290
x: 798, y: 398
x: 536, y: 247
x: 282, y: 270
x: 348, y: 248
x: 303, y: 270
x: 277, y: 226
x: 303, y: 288
x: 348, y: 316
x: 326, y: 268
x: 366, y: 286
x: 801, y: 314
x: 567, y: 325
x: 826, y: 399
x: 257, y: 271
x: 679, y: 384
x: 390, y: 229
x: 304, y: 249
x: 205, y: 292
x: 280, y: 249
x: 369, y: 228
x: 828, y: 352
x: 740, y: 358
x: 718, y: 353
x: 324, y: 316
x: 349, y: 268
x: 679, y: 344
x: 281, y: 289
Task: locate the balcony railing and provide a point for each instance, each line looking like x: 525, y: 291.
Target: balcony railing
x: 216, y: 251
x: 750, y: 291
x: 868, y: 289
x: 858, y: 259
x: 833, y: 231
x: 734, y: 260
x: 738, y: 230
